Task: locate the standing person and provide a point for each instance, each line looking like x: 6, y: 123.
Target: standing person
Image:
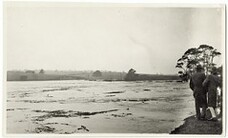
x: 199, y: 93
x: 212, y: 82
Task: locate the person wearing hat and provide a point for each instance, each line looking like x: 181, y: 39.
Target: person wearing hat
x: 211, y: 83
x: 199, y: 93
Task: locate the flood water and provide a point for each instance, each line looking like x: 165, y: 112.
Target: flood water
x: 77, y: 106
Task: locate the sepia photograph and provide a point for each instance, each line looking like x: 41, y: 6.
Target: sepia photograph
x: 125, y: 68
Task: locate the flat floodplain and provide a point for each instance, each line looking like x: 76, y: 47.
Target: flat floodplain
x: 78, y: 106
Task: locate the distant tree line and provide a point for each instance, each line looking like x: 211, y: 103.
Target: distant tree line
x: 38, y: 75
x: 133, y: 76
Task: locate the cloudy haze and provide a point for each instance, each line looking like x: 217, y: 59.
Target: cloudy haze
x: 148, y: 39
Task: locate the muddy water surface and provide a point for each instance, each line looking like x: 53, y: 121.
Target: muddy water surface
x: 68, y: 107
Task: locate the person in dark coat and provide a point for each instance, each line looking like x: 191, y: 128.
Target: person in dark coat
x: 199, y: 93
x: 212, y: 82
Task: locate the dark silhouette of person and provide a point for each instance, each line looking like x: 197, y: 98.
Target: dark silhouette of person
x: 199, y: 92
x: 212, y: 82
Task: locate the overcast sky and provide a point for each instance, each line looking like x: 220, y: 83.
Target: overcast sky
x: 148, y: 39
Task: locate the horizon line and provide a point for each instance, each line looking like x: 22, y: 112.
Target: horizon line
x: 68, y: 70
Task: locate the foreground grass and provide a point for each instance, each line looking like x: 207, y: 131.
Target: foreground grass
x: 194, y: 126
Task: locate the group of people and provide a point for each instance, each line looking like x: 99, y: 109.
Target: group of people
x: 205, y: 92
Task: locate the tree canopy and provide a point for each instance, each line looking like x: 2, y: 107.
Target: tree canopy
x: 203, y: 55
x: 41, y: 71
x: 131, y: 76
x: 97, y: 73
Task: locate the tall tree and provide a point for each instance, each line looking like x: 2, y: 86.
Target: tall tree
x: 131, y: 75
x: 41, y: 71
x: 207, y: 56
x: 203, y: 55
x: 97, y: 73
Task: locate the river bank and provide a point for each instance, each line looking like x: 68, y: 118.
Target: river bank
x: 194, y: 126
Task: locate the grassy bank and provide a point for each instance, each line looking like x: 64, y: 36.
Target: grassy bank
x: 194, y: 126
